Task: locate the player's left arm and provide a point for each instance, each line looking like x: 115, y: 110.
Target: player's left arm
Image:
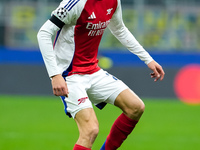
x: 158, y: 72
x: 120, y: 31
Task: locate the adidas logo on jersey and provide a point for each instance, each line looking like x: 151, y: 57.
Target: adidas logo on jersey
x: 92, y: 16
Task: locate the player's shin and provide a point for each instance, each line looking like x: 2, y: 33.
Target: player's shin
x: 79, y: 147
x: 121, y: 128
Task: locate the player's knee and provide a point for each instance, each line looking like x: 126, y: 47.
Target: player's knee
x: 135, y: 110
x: 92, y: 132
x: 88, y: 135
x: 141, y: 107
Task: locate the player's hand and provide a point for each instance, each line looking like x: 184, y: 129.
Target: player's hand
x: 59, y: 86
x: 158, y: 72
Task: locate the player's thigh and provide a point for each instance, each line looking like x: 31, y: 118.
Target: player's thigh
x: 130, y: 104
x: 87, y: 122
x: 105, y: 88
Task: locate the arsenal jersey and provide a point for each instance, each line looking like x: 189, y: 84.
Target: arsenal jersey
x: 79, y: 26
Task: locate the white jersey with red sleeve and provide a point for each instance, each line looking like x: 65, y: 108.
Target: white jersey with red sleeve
x: 79, y: 25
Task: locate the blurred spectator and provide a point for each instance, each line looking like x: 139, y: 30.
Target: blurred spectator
x: 167, y: 25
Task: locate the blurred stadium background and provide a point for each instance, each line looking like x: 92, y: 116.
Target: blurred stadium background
x: 167, y: 29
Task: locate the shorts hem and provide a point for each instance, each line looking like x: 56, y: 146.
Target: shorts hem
x: 113, y: 97
x: 73, y: 114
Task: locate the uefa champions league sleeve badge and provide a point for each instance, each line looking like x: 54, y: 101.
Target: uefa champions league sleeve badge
x: 62, y: 13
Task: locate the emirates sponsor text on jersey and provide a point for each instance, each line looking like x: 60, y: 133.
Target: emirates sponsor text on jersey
x: 97, y: 29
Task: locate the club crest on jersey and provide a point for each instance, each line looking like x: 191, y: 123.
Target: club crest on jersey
x: 109, y: 11
x: 62, y: 13
x: 82, y: 100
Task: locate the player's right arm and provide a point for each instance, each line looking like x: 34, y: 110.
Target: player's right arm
x: 66, y: 13
x: 44, y: 36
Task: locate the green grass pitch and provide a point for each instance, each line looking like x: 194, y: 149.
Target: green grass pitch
x: 39, y: 123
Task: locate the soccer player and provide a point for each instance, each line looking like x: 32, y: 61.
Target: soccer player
x: 72, y: 65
